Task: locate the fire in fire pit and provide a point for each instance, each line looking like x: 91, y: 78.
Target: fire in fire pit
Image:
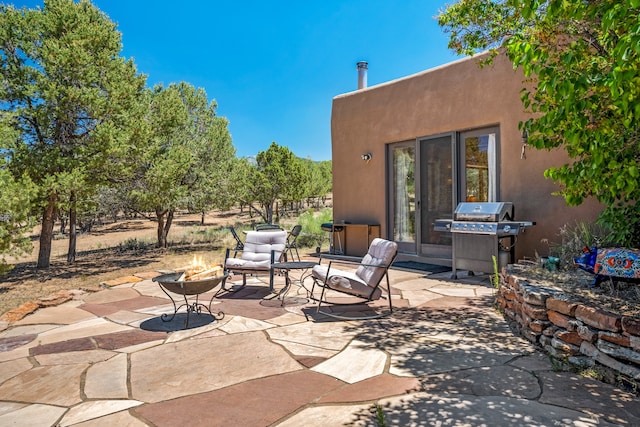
x: 199, y: 270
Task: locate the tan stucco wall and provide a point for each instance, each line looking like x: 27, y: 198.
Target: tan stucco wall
x: 454, y: 97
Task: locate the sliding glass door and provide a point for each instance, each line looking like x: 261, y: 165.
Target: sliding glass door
x: 403, y: 195
x: 437, y: 193
x: 429, y: 176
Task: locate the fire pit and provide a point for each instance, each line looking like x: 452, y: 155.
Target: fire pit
x: 178, y: 283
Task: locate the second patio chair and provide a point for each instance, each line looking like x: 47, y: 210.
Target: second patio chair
x: 363, y: 285
x: 292, y: 244
x: 261, y: 250
x: 239, y: 244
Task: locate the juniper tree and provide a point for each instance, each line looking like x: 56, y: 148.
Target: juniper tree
x: 70, y: 97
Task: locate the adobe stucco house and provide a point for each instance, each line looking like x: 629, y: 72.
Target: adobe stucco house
x: 406, y: 152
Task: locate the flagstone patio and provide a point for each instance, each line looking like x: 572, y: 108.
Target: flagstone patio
x: 445, y: 357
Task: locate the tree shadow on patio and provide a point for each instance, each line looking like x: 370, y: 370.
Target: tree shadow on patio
x: 474, y: 370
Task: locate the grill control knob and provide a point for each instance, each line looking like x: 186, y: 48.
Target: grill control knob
x: 507, y: 228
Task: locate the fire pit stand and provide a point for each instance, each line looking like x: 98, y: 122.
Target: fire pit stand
x: 170, y: 284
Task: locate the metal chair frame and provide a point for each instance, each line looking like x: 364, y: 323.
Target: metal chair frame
x: 292, y: 242
x: 239, y: 244
x: 362, y: 299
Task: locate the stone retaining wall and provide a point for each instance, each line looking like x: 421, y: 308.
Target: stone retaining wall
x: 570, y: 330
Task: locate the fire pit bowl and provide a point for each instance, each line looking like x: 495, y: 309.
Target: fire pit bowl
x: 170, y: 284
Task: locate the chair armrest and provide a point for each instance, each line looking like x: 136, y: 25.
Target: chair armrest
x: 377, y: 265
x: 326, y: 277
x: 338, y: 261
x: 358, y: 264
x: 227, y: 255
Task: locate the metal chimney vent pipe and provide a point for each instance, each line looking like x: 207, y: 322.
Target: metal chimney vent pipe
x: 362, y: 74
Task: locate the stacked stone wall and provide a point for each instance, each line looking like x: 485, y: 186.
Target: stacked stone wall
x: 582, y: 334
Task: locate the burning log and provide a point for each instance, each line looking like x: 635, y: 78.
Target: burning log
x: 198, y: 270
x: 211, y: 272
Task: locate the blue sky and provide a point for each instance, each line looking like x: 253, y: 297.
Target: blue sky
x: 274, y: 66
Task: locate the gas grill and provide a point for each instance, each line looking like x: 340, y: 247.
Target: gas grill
x: 480, y: 232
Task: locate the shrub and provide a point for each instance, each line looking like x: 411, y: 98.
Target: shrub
x: 577, y: 236
x: 623, y: 219
x: 132, y: 244
x: 199, y: 234
x: 311, y: 221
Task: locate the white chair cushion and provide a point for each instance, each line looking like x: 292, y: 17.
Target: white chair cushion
x: 258, y: 245
x: 240, y: 263
x: 344, y: 281
x: 257, y: 250
x: 381, y: 252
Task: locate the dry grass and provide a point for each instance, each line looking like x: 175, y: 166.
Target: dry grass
x: 107, y: 253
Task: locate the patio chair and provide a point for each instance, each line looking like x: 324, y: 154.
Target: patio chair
x: 292, y: 244
x: 363, y: 284
x: 260, y: 251
x: 239, y: 245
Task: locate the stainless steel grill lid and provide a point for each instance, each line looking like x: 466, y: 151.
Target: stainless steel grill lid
x: 484, y: 211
